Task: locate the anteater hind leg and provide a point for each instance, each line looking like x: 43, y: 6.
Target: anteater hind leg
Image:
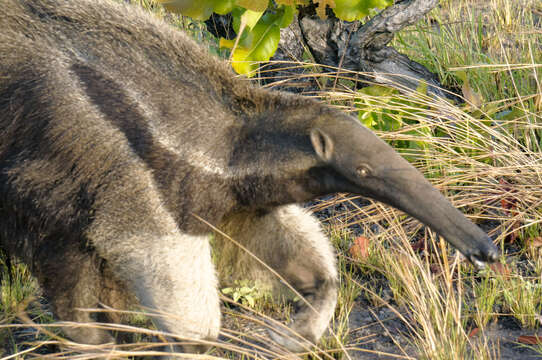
x: 291, y: 242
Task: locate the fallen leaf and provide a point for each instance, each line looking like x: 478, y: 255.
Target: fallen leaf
x: 360, y: 249
x: 435, y: 268
x: 535, y: 242
x: 500, y: 269
x: 472, y: 97
x: 473, y: 332
x: 505, y: 185
x: 514, y: 232
x: 418, y: 245
x: 530, y: 339
x: 507, y: 204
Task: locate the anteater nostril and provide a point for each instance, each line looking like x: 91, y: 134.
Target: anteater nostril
x: 493, y: 255
x: 486, y: 255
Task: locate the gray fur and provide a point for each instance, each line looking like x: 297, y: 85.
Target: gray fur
x: 116, y: 128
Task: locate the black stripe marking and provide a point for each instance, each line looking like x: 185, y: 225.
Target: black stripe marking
x: 122, y: 112
x: 109, y: 97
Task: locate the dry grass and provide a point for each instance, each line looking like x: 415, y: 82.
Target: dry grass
x: 483, y: 155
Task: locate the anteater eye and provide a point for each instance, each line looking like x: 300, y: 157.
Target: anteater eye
x: 363, y: 171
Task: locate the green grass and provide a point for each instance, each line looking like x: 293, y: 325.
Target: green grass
x: 479, y: 154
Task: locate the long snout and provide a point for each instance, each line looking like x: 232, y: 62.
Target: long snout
x: 410, y: 192
x: 366, y: 165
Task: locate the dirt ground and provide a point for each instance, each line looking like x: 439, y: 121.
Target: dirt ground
x: 378, y: 332
x: 382, y: 333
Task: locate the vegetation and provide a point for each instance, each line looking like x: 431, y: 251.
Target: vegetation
x: 415, y: 296
x: 258, y: 23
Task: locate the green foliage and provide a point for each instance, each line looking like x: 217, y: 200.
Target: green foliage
x: 246, y: 293
x: 258, y: 23
x: 260, y: 39
x: 522, y: 298
x: 384, y: 109
x: 19, y: 295
x: 17, y: 287
x: 351, y: 10
x: 487, y: 294
x: 200, y: 9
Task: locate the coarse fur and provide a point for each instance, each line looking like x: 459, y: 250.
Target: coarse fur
x: 117, y: 129
x: 89, y: 183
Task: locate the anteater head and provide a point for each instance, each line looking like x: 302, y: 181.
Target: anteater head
x: 350, y: 158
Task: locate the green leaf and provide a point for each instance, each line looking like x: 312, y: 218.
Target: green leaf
x: 202, y: 9
x: 266, y: 41
x: 351, y: 10
x: 258, y: 43
x: 254, y: 5
x: 367, y: 119
x: 245, y: 290
x: 422, y: 87
x: 198, y: 10
x: 380, y: 4
x: 462, y: 75
x: 259, y: 22
x: 287, y: 17
x: 250, y: 18
x: 224, y: 7
x: 227, y: 291
x: 377, y: 90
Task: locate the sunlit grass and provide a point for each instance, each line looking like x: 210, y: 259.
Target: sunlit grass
x: 478, y: 154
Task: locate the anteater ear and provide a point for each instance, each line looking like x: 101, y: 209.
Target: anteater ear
x: 322, y: 144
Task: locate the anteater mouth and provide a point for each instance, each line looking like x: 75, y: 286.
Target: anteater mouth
x: 477, y: 262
